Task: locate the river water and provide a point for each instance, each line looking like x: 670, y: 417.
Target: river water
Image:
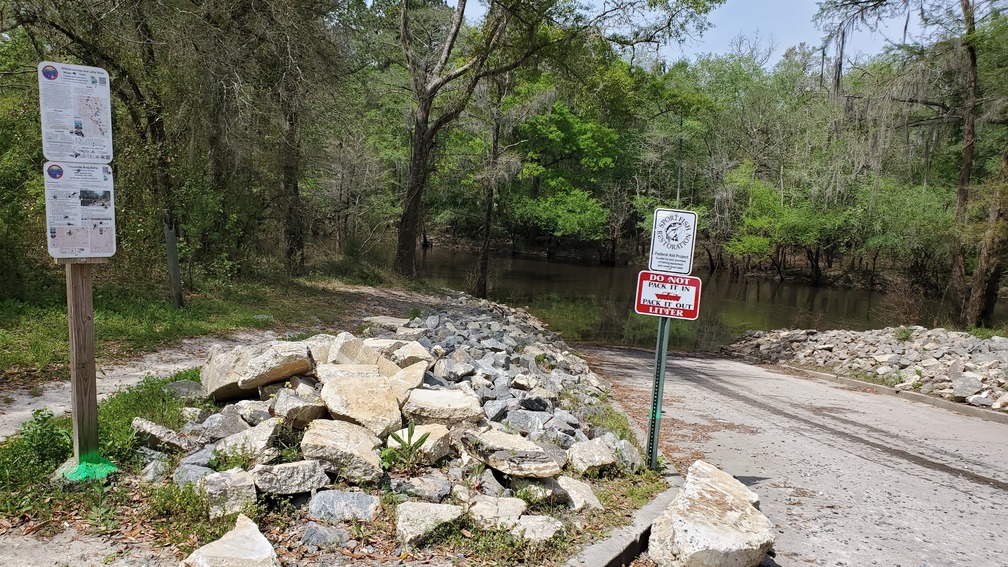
x: 593, y: 303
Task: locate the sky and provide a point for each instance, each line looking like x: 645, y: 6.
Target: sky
x: 787, y: 22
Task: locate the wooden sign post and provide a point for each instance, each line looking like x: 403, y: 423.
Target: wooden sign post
x: 83, y: 380
x: 75, y: 106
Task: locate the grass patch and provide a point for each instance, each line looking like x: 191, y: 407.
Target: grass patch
x: 985, y: 333
x: 497, y: 547
x: 34, y: 338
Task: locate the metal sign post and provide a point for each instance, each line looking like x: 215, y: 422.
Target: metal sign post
x: 661, y: 354
x: 667, y: 292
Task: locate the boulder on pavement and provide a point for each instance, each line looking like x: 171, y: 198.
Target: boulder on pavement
x: 711, y: 522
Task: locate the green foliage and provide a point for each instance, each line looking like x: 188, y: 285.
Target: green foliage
x: 902, y: 333
x: 184, y: 515
x: 43, y: 444
x: 237, y: 457
x: 408, y: 454
x: 146, y: 399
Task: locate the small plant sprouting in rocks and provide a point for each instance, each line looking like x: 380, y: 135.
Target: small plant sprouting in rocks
x: 408, y: 454
x: 903, y: 333
x: 240, y: 457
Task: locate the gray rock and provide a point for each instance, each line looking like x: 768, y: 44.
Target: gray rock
x: 489, y: 484
x: 628, y: 456
x: 495, y: 410
x: 190, y: 474
x: 185, y: 390
x: 194, y: 415
x: 590, y: 457
x: 964, y: 385
x: 323, y: 537
x: 537, y: 404
x: 980, y: 401
x: 345, y: 449
x: 290, y: 478
x: 154, y: 471
x: 221, y: 425
x: 417, y: 519
x: 200, y: 458
x: 433, y: 487
x: 244, y: 546
x: 343, y: 506
x: 158, y: 437
x: 256, y: 442
x: 526, y: 421
x: 229, y: 491
x: 510, y: 454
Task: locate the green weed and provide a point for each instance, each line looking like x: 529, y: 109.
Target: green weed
x: 408, y: 454
x: 903, y: 333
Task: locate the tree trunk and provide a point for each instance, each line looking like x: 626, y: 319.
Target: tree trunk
x: 416, y: 181
x: 987, y: 277
x: 957, y: 283
x: 171, y: 254
x: 489, y: 189
x: 293, y: 213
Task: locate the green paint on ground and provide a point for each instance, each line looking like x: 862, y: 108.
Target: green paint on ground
x: 94, y: 467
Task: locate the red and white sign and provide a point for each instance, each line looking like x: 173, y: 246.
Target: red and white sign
x: 668, y: 295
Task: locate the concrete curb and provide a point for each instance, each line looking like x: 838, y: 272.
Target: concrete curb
x: 628, y: 542
x: 962, y: 409
x: 624, y: 544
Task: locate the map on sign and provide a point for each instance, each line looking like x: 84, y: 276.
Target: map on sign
x: 668, y: 295
x: 75, y: 102
x: 80, y: 210
x: 673, y: 238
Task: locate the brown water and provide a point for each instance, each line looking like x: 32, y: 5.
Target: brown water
x: 594, y: 303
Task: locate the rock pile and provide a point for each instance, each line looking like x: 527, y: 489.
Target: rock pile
x: 492, y: 395
x: 949, y: 364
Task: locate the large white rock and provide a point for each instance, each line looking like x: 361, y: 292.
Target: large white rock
x: 278, y: 362
x: 329, y: 371
x: 711, y: 522
x: 434, y: 448
x: 414, y: 520
x: 579, y: 494
x: 352, y: 351
x: 222, y: 370
x: 297, y: 409
x: 256, y: 442
x: 491, y: 513
x: 447, y: 407
x: 290, y: 478
x: 537, y: 528
x: 591, y: 456
x: 368, y: 402
x: 345, y: 449
x: 244, y: 546
x: 405, y: 380
x: 229, y: 491
x: 510, y: 454
x: 412, y: 353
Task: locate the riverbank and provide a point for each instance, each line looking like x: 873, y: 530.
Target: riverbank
x: 952, y: 365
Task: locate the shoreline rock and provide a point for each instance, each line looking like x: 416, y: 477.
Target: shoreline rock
x: 949, y: 364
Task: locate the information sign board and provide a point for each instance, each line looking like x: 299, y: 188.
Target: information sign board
x: 673, y: 238
x: 668, y: 295
x: 80, y: 210
x: 75, y: 102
